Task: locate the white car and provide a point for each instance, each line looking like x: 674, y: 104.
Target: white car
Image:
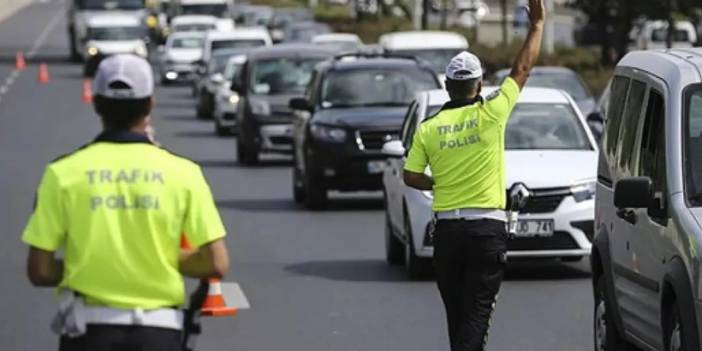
x: 434, y: 47
x: 241, y: 38
x: 193, y: 23
x: 179, y: 56
x: 226, y: 101
x: 113, y: 34
x: 344, y: 42
x: 549, y: 149
x: 653, y: 35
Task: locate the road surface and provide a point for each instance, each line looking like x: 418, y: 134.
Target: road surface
x: 315, y: 281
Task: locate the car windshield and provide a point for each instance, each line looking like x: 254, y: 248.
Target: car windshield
x: 218, y: 63
x: 282, y: 75
x: 237, y: 44
x: 217, y: 10
x: 545, y: 127
x: 252, y: 18
x: 187, y: 43
x: 693, y: 146
x: 436, y: 58
x: 565, y: 81
x: 232, y: 69
x: 194, y: 27
x: 116, y: 33
x: 110, y: 4
x: 661, y: 35
x: 375, y: 87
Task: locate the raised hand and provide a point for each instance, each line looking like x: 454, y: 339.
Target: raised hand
x: 537, y: 11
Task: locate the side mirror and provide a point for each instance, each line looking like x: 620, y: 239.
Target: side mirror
x: 596, y: 123
x: 393, y: 149
x: 595, y: 117
x: 237, y: 87
x: 300, y: 104
x: 633, y: 192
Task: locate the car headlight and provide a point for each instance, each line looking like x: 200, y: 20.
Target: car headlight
x: 583, y: 191
x: 260, y: 108
x: 233, y: 99
x: 141, y: 51
x: 331, y: 134
x: 92, y: 51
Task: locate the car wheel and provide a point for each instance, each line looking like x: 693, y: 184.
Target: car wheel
x: 220, y: 130
x: 394, y: 250
x: 298, y: 185
x: 315, y: 194
x: 674, y: 330
x: 246, y: 155
x: 416, y: 267
x: 606, y: 335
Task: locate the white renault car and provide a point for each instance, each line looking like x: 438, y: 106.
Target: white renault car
x: 178, y: 60
x: 549, y: 149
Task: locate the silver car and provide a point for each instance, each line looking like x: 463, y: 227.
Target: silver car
x: 226, y: 101
x: 648, y: 223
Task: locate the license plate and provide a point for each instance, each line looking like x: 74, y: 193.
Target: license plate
x: 376, y: 167
x: 535, y: 228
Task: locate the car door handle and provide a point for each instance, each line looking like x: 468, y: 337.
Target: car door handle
x: 627, y: 215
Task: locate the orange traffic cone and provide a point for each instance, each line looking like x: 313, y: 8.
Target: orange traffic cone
x: 20, y: 64
x: 214, y: 304
x: 43, y: 76
x: 87, y: 95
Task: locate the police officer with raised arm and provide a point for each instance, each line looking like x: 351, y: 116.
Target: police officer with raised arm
x: 463, y: 146
x: 117, y: 208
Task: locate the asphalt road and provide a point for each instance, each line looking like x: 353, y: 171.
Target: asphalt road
x: 316, y: 281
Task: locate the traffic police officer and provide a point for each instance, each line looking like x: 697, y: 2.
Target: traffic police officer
x: 117, y: 207
x: 463, y: 145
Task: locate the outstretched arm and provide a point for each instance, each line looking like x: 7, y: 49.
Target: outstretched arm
x: 532, y: 46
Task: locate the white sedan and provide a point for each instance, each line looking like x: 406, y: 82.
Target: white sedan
x: 549, y: 149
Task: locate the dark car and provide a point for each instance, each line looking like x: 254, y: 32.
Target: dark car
x: 353, y: 106
x: 269, y: 79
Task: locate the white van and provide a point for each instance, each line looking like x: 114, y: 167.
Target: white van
x: 238, y: 39
x: 653, y: 35
x: 223, y: 10
x: 435, y: 47
x: 193, y: 23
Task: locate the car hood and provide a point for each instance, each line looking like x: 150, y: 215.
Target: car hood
x: 184, y: 55
x: 368, y: 117
x: 550, y: 169
x: 117, y: 46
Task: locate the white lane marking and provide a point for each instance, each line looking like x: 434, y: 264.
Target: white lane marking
x: 45, y: 34
x: 234, y: 296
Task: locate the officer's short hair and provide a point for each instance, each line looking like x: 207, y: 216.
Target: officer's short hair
x: 121, y: 114
x: 463, y: 87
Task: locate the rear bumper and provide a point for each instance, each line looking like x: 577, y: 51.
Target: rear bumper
x: 337, y: 169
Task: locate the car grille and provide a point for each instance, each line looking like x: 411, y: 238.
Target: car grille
x: 559, y: 241
x: 545, y: 201
x: 281, y: 140
x: 374, y: 140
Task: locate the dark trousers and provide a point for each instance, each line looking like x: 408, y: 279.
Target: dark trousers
x: 123, y: 338
x: 470, y: 262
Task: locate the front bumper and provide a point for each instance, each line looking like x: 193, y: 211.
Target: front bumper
x: 174, y: 72
x: 276, y: 138
x: 340, y: 167
x: 573, y: 223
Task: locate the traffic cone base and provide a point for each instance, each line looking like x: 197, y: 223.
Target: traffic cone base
x: 214, y: 305
x: 87, y: 95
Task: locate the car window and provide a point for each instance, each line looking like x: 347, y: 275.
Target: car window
x: 652, y: 152
x: 110, y: 5
x: 116, y: 33
x: 237, y: 44
x: 375, y: 87
x: 194, y: 27
x: 629, y: 126
x: 618, y: 92
x: 545, y: 127
x: 693, y: 146
x: 282, y: 75
x: 217, y: 10
x: 187, y: 43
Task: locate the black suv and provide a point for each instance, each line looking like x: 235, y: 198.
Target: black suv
x: 269, y: 79
x: 355, y: 103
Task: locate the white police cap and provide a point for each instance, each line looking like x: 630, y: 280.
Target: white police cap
x: 464, y: 66
x: 124, y: 76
